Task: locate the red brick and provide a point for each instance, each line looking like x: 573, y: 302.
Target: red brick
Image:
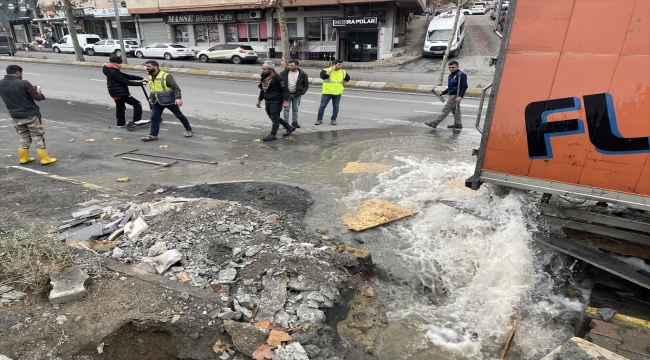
x: 604, y: 342
x: 631, y: 355
x: 605, y: 329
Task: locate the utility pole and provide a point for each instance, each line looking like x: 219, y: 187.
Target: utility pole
x: 119, y: 30
x: 452, y: 37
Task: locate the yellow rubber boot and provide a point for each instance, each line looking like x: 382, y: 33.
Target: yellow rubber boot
x: 45, y: 159
x: 24, y: 156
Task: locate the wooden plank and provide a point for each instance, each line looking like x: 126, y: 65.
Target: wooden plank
x: 375, y: 212
x: 360, y: 168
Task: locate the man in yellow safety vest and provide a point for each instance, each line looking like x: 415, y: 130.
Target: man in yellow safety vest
x: 333, y: 79
x: 165, y: 94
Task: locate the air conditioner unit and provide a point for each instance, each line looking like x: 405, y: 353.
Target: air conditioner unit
x: 123, y: 3
x: 255, y: 14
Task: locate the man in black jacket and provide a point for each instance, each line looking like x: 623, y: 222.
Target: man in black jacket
x: 19, y: 95
x: 118, y: 88
x: 275, y: 93
x: 298, y: 83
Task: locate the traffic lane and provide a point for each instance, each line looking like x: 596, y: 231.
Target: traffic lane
x: 231, y: 104
x: 428, y: 67
x: 99, y: 162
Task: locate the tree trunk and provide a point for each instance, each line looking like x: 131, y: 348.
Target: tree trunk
x: 67, y: 5
x: 451, y: 40
x: 284, y: 32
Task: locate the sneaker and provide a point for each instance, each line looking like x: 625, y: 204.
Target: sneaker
x: 289, y: 131
x: 121, y: 126
x: 149, y: 138
x: 333, y: 122
x: 296, y: 125
x: 189, y: 134
x: 458, y: 127
x: 432, y: 124
x: 318, y: 122
x: 270, y: 137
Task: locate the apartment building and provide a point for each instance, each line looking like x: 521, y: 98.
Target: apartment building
x: 352, y: 30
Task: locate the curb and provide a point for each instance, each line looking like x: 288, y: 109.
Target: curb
x: 622, y: 319
x: 233, y: 75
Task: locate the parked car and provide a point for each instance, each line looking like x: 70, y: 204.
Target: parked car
x: 438, y: 33
x: 7, y: 45
x: 478, y: 8
x: 166, y: 51
x: 112, y: 47
x: 445, y: 10
x: 493, y: 13
x: 229, y: 52
x: 65, y: 44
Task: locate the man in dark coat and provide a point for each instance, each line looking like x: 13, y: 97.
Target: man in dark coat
x: 298, y: 83
x: 275, y: 93
x: 118, y: 88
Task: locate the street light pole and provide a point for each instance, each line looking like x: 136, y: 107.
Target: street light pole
x: 119, y: 30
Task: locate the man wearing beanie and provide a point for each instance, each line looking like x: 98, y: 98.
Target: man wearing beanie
x: 275, y: 93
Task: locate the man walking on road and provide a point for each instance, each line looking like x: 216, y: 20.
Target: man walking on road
x: 165, y: 94
x: 18, y: 96
x: 275, y: 93
x: 333, y: 79
x: 298, y: 83
x: 118, y: 88
x: 456, y: 87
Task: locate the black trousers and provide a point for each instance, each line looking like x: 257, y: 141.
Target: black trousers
x: 120, y: 109
x: 274, y: 110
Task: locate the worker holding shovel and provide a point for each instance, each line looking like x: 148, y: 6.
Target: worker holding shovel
x: 456, y: 87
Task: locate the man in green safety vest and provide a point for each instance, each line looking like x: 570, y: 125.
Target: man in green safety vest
x: 333, y: 79
x: 165, y: 94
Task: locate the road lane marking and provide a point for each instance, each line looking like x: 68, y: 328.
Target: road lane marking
x: 27, y: 73
x: 229, y: 93
x: 98, y: 80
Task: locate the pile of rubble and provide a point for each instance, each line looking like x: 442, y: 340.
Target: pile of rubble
x: 271, y: 275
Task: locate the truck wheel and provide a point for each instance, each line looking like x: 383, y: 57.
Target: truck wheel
x: 57, y: 50
x: 90, y: 52
x: 204, y: 58
x: 236, y: 60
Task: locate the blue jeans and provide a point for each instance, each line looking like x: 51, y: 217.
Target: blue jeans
x: 294, y: 102
x: 156, y: 113
x: 324, y: 100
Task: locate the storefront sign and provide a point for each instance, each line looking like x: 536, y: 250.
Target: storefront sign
x: 218, y: 17
x: 110, y: 12
x: 356, y: 23
x: 78, y: 12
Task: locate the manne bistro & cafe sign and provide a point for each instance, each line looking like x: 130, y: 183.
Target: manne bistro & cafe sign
x: 216, y: 17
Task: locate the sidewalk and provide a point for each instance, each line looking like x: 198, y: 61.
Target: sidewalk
x: 233, y: 75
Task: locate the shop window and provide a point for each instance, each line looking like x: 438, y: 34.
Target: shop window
x: 242, y: 32
x: 253, y: 32
x: 231, y: 33
x: 292, y: 28
x: 263, y: 31
x: 181, y: 34
x: 320, y: 29
x: 213, y: 33
x: 206, y: 34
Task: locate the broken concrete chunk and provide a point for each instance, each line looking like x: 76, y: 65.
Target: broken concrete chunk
x: 88, y: 213
x: 13, y: 295
x: 116, y: 234
x: 253, y: 250
x: 302, y: 283
x: 273, y: 297
x: 307, y: 314
x: 227, y: 314
x: 68, y: 285
x: 2, y: 357
x: 157, y: 249
x: 127, y: 217
x: 248, y: 301
x: 138, y: 227
x: 606, y: 313
x: 227, y: 275
x: 146, y: 267
x: 5, y: 288
x: 84, y: 234
x: 247, y: 314
x: 293, y: 351
x: 163, y: 261
x: 246, y: 337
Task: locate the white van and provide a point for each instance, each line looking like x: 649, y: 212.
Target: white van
x: 65, y: 44
x: 438, y: 33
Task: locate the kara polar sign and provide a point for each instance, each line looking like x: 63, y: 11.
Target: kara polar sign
x: 356, y: 22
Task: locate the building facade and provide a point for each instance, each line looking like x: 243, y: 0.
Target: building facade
x: 318, y: 29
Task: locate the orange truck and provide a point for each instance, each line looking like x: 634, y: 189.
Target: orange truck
x: 569, y: 115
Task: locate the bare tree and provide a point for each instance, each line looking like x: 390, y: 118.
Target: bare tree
x: 67, y: 7
x: 278, y: 6
x: 452, y: 37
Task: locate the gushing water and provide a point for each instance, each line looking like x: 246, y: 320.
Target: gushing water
x: 453, y: 281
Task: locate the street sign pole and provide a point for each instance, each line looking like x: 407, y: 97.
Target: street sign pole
x: 119, y: 31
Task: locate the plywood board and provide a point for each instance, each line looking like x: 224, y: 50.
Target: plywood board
x: 375, y: 212
x: 360, y: 168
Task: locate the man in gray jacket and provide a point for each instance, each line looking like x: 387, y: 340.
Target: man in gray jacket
x: 18, y: 96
